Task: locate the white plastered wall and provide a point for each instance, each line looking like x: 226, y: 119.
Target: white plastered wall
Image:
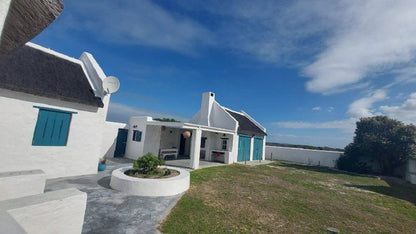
x: 305, y: 156
x: 134, y: 149
x: 109, y: 138
x: 18, y: 120
x: 411, y: 171
x: 4, y: 9
x: 152, y: 140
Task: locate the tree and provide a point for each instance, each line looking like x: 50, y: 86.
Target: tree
x: 380, y: 146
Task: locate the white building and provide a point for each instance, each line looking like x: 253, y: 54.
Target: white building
x: 53, y: 112
x: 216, y: 134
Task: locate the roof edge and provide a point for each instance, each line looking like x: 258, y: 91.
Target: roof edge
x: 53, y: 52
x: 254, y: 121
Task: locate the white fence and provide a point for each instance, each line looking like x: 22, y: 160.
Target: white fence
x: 305, y: 156
x: 411, y: 171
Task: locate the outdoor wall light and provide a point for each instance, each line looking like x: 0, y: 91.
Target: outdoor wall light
x: 134, y: 126
x: 186, y: 134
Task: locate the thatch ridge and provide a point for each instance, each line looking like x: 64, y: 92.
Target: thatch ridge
x: 37, y: 72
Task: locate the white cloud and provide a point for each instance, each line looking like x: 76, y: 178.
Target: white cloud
x: 330, y: 109
x: 137, y: 23
x: 372, y: 37
x: 405, y: 112
x: 316, y: 108
x: 118, y: 112
x: 362, y: 107
x: 341, y: 45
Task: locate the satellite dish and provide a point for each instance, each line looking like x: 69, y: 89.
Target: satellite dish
x: 111, y: 84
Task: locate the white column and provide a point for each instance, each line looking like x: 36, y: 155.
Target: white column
x: 251, y: 148
x: 263, y: 156
x: 195, y: 148
x: 233, y: 148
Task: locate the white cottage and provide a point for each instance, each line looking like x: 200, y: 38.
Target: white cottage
x: 215, y: 133
x: 53, y: 111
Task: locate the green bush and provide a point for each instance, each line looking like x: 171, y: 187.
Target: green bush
x: 380, y: 146
x: 148, y: 163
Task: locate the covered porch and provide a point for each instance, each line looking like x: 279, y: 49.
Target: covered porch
x: 194, y: 146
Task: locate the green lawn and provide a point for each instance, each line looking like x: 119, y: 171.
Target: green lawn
x: 284, y: 197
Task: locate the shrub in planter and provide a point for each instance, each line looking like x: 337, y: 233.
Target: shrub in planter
x: 147, y: 166
x: 148, y: 163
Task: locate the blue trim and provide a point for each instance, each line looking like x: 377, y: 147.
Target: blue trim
x: 245, y: 135
x: 54, y: 110
x: 52, y: 128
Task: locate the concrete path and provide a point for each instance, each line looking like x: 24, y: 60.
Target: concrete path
x: 110, y: 211
x: 185, y: 163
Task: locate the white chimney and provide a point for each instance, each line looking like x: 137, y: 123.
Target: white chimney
x: 208, y: 99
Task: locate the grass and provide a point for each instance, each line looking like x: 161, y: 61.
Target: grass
x: 283, y: 197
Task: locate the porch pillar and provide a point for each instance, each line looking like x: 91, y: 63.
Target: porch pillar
x: 251, y: 148
x: 195, y: 148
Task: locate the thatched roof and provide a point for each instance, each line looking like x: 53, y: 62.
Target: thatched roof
x: 26, y: 19
x: 37, y: 72
x: 245, y: 125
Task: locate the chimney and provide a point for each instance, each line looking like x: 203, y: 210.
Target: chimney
x: 208, y: 99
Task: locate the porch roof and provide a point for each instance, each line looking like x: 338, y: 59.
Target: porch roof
x: 188, y: 126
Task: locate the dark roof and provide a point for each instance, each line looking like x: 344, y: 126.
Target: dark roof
x: 33, y: 71
x: 25, y: 20
x: 245, y: 125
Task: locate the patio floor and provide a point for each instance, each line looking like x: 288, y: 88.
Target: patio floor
x: 185, y: 163
x: 110, y: 211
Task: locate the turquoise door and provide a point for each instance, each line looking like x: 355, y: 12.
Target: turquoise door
x: 258, y: 148
x: 121, y: 142
x: 243, y: 148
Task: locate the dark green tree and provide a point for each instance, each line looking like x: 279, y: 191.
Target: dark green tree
x: 380, y: 146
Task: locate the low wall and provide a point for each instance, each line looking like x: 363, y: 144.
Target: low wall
x: 109, y: 138
x: 15, y: 184
x: 59, y: 211
x: 150, y: 187
x: 305, y: 156
x: 411, y: 171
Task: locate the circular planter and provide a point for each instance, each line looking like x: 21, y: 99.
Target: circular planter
x: 150, y: 187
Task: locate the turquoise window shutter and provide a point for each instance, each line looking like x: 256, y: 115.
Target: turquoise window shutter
x: 52, y: 127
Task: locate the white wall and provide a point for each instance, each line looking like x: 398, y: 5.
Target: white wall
x: 170, y: 137
x: 17, y: 124
x: 221, y: 119
x: 305, y: 156
x: 4, y: 9
x: 134, y: 149
x: 411, y: 171
x: 109, y: 138
x: 152, y: 140
x: 60, y: 211
x: 21, y: 183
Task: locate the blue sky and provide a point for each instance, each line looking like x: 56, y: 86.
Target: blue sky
x: 306, y: 70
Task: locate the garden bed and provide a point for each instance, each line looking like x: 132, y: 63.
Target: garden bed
x: 152, y: 187
x: 159, y: 173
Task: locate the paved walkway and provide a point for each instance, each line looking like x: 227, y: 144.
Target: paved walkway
x: 185, y: 163
x: 110, y: 211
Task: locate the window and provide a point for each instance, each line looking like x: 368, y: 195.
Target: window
x: 52, y: 127
x: 137, y: 135
x: 224, y: 142
x: 203, y: 140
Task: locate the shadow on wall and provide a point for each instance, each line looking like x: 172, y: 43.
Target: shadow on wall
x: 396, y: 188
x: 110, y: 150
